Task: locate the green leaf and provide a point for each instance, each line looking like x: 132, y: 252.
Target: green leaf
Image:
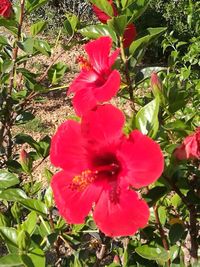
x: 150, y: 35
x: 70, y: 24
x: 27, y: 45
x: 7, y: 179
x: 4, y: 220
x: 104, y: 5
x: 9, y: 235
x: 37, y: 256
x: 13, y: 194
x: 155, y: 194
x: 176, y: 232
x: 38, y: 27
x: 30, y: 223
x: 175, y: 125
x: 35, y: 205
x: 96, y: 31
x: 31, y: 5
x: 44, y: 228
x: 57, y: 72
x: 27, y: 260
x: 176, y: 200
x: 3, y: 40
x: 153, y: 253
x: 67, y: 27
x: 162, y: 213
x: 9, y: 24
x: 48, y: 197
x: 25, y: 138
x: 48, y: 175
x: 19, y: 95
x: 146, y: 120
x: 174, y: 251
x: 134, y: 9
x: 11, y: 260
x: 138, y: 46
x: 118, y: 24
x: 24, y: 117
x: 43, y: 47
x: 44, y: 144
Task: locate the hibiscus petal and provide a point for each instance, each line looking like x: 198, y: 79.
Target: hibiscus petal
x: 142, y: 159
x: 98, y: 52
x: 67, y: 147
x: 84, y: 101
x: 129, y: 35
x: 109, y: 89
x: 113, y: 57
x: 121, y: 218
x: 103, y: 124
x: 73, y: 205
x: 84, y: 80
x: 102, y: 16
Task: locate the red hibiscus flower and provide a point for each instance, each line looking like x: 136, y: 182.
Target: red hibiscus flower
x: 190, y: 148
x: 130, y: 31
x: 102, y: 16
x: 5, y: 8
x: 97, y: 82
x: 100, y: 166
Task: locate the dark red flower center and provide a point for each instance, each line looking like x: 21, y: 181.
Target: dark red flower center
x: 105, y: 166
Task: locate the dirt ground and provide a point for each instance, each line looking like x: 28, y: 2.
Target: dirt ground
x: 53, y: 108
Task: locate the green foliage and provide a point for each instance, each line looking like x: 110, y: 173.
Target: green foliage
x: 32, y: 232
x: 185, y: 19
x: 146, y: 119
x: 55, y: 12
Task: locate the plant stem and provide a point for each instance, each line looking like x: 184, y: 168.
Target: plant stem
x: 193, y: 234
x: 162, y: 233
x: 193, y: 230
x: 122, y: 49
x: 15, y: 48
x: 126, y: 72
x: 51, y: 220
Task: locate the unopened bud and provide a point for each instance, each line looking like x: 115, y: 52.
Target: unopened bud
x: 116, y: 259
x: 155, y: 80
x: 25, y: 161
x: 156, y: 85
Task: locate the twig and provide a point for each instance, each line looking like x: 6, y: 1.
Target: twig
x: 126, y: 72
x: 15, y: 49
x: 59, y: 55
x: 162, y: 233
x: 193, y: 220
x: 193, y: 234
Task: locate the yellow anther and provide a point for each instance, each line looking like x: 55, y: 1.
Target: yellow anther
x: 80, y: 182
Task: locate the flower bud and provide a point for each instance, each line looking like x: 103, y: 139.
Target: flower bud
x: 156, y: 86
x: 155, y: 82
x: 25, y: 161
x: 190, y: 147
x: 116, y: 259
